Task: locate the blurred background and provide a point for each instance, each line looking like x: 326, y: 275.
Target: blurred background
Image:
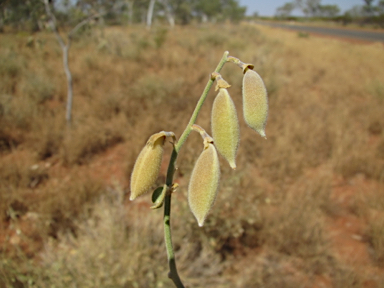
x: 304, y: 207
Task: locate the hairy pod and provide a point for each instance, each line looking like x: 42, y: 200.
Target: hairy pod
x: 147, y: 165
x: 225, y: 127
x: 255, y: 101
x: 204, y: 183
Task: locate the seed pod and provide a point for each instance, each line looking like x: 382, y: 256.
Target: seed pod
x: 204, y: 182
x: 225, y: 127
x: 147, y: 165
x: 255, y: 101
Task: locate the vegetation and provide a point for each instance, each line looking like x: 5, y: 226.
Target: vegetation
x: 302, y: 209
x: 30, y: 15
x: 369, y: 13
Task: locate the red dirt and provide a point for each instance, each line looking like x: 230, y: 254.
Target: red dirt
x: 346, y: 230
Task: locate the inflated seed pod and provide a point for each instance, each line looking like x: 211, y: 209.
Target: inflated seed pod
x: 225, y: 127
x: 255, y: 101
x: 147, y: 165
x: 204, y: 182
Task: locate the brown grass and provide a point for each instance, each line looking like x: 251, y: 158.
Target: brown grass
x: 65, y: 220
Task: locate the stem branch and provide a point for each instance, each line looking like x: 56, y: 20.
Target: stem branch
x: 169, y: 180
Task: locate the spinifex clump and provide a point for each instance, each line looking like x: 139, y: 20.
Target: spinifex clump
x: 205, y: 176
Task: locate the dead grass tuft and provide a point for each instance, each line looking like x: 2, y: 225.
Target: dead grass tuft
x: 18, y: 177
x: 109, y: 249
x: 38, y: 88
x: 376, y: 238
x: 297, y: 226
x: 89, y: 138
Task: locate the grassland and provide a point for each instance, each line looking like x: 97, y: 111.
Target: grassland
x: 303, y: 209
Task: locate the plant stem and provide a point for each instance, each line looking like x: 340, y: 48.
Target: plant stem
x: 171, y: 171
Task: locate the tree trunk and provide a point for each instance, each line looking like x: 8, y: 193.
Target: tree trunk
x: 150, y: 13
x: 204, y: 18
x: 130, y: 12
x: 168, y: 13
x: 68, y: 114
x: 65, y: 47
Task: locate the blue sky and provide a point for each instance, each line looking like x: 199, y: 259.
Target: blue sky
x: 268, y: 7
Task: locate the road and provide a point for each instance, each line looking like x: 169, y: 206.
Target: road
x: 336, y: 32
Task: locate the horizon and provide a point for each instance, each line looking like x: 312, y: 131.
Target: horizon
x: 268, y: 8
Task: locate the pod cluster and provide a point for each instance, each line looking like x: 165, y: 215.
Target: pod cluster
x: 204, y: 182
x: 224, y: 121
x: 205, y: 176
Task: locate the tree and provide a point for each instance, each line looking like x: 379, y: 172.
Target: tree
x: 208, y: 9
x: 183, y: 10
x: 368, y: 7
x: 233, y: 11
x: 168, y: 12
x: 129, y: 5
x: 355, y: 12
x: 380, y: 7
x: 22, y: 14
x: 312, y: 7
x: 151, y: 7
x: 65, y: 48
x: 140, y: 12
x: 309, y: 7
x: 368, y: 2
x: 329, y: 10
x: 285, y: 10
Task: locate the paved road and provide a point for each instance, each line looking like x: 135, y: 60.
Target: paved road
x: 338, y: 32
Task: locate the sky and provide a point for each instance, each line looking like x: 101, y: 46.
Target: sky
x: 268, y: 7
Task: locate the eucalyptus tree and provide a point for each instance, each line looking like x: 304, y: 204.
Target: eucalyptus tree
x: 65, y: 44
x: 285, y: 10
x: 22, y: 15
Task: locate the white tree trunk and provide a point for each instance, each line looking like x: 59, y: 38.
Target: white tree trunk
x: 150, y: 13
x: 68, y: 114
x: 65, y: 48
x: 130, y: 12
x: 168, y: 13
x: 204, y: 18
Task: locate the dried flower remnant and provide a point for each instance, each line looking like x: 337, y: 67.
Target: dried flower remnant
x: 220, y: 82
x: 147, y: 165
x: 225, y: 127
x: 204, y: 182
x: 255, y: 101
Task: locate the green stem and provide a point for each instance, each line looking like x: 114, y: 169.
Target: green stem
x: 169, y: 181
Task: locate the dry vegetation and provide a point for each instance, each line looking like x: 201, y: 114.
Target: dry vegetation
x: 303, y: 209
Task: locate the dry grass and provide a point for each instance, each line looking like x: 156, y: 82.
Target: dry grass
x: 64, y: 225
x: 108, y: 250
x: 376, y: 234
